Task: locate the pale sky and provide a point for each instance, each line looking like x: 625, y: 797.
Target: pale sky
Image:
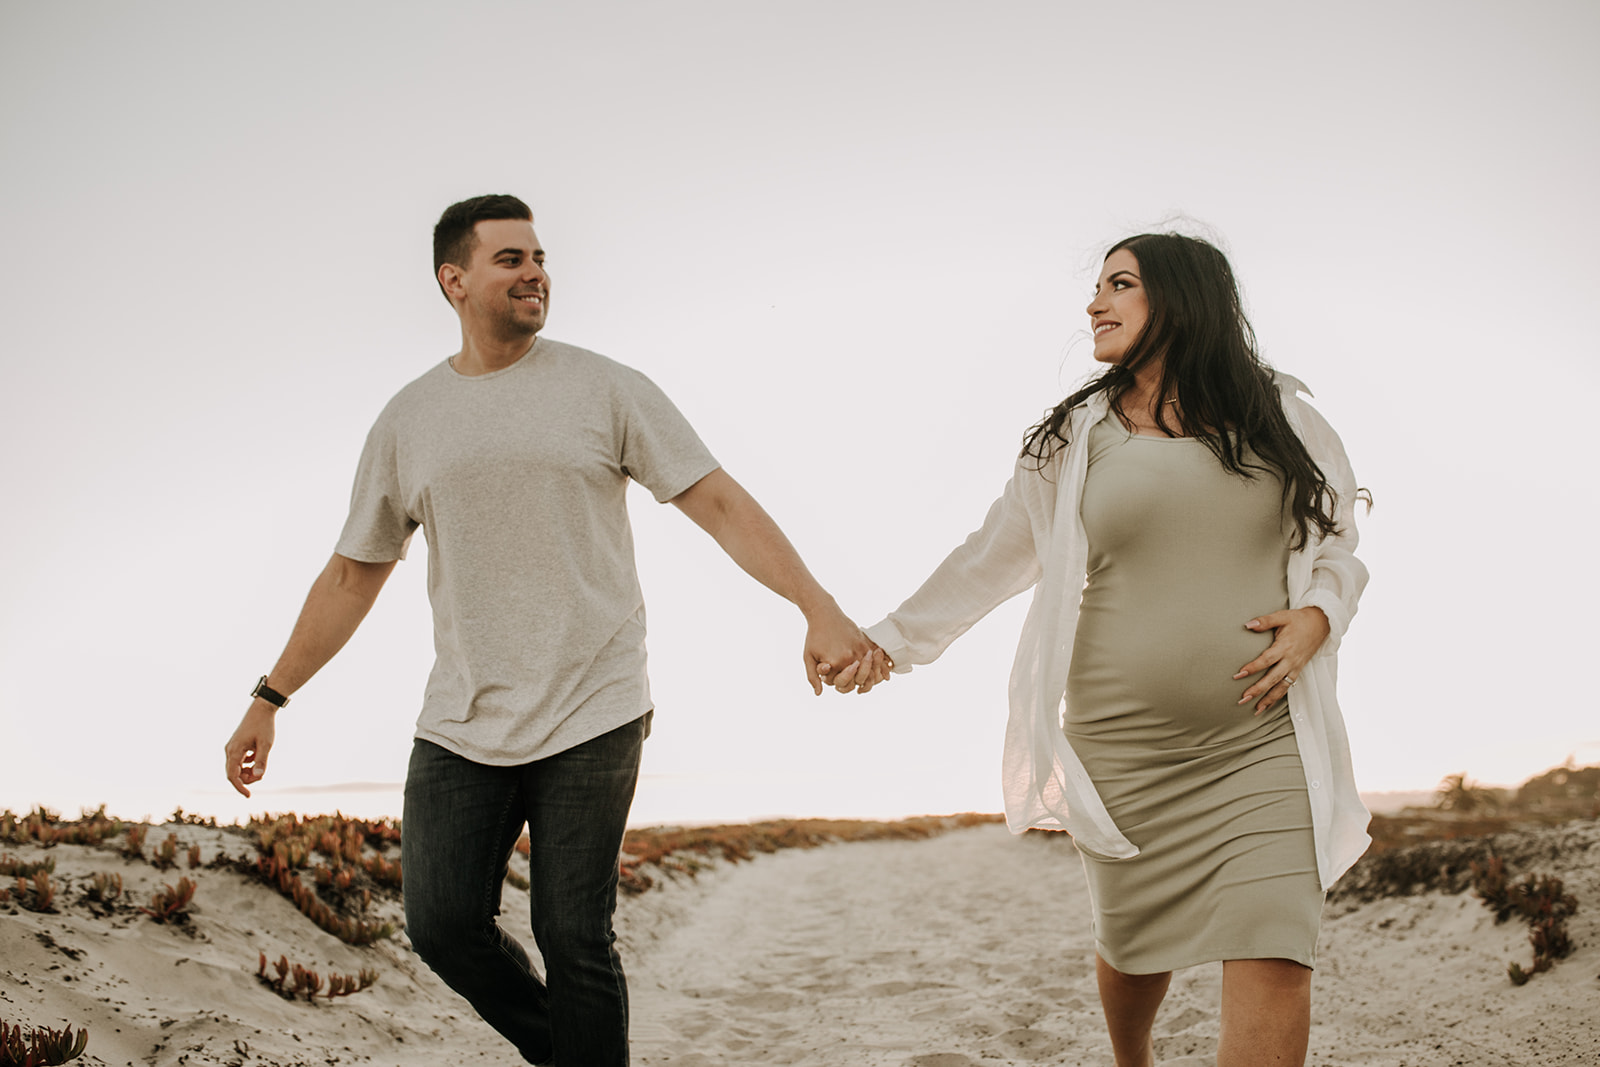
x: 853, y: 242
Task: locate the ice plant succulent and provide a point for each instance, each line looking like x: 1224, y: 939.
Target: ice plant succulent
x: 171, y: 904
x: 133, y: 847
x: 105, y: 887
x: 289, y: 980
x: 39, y: 1046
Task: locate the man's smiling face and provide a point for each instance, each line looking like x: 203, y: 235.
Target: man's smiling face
x: 504, y: 285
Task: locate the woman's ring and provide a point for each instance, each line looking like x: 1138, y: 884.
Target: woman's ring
x: 1293, y: 682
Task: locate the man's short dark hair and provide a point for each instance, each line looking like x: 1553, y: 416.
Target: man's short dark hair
x: 454, y: 239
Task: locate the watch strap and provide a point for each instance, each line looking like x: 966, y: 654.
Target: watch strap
x: 269, y: 694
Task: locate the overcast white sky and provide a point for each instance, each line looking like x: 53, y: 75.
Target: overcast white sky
x: 853, y: 241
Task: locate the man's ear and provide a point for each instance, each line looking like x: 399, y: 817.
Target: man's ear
x: 450, y: 280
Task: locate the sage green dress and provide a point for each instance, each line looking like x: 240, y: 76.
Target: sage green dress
x: 1181, y: 555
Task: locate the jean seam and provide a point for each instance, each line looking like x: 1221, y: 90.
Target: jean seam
x: 495, y: 880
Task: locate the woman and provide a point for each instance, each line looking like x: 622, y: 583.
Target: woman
x: 1186, y: 518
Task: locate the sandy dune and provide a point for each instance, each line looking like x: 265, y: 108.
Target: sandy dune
x: 972, y: 948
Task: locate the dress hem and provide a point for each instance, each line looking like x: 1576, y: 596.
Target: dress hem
x: 1307, y: 961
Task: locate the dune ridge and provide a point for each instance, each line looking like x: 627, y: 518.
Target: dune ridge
x: 936, y: 943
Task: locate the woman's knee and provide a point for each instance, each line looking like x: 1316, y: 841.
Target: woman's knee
x: 1267, y: 974
x: 1134, y: 982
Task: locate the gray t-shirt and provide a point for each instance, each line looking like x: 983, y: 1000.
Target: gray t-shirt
x: 518, y: 479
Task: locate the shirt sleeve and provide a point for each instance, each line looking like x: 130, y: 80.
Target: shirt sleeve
x: 378, y: 528
x: 660, y: 450
x: 995, y: 563
x: 1337, y: 576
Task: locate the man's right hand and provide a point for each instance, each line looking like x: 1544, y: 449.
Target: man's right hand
x: 248, y: 747
x: 339, y: 599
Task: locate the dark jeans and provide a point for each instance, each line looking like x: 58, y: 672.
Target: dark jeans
x: 461, y: 821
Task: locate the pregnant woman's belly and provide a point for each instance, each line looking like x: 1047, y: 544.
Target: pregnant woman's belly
x: 1181, y: 555
x: 1162, y: 674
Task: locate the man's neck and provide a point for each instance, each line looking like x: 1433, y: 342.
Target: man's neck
x: 480, y: 355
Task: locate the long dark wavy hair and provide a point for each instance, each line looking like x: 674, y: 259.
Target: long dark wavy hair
x: 1198, y: 331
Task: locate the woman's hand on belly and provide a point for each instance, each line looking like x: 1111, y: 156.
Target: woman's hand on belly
x: 1297, y: 634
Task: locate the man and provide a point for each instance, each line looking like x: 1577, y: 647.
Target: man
x: 514, y: 456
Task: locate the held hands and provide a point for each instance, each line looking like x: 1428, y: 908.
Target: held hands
x: 1298, y: 634
x: 863, y: 675
x: 836, y: 651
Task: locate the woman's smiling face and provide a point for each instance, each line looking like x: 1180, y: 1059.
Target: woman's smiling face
x: 1119, y: 310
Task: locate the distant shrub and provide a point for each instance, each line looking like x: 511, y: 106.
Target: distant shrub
x: 1460, y: 794
x: 1570, y: 789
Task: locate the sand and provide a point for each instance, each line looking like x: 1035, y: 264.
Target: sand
x: 972, y: 948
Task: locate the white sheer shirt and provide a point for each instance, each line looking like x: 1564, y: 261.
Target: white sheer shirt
x: 1033, y: 535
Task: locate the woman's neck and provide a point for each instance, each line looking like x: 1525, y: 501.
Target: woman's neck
x: 1142, y: 402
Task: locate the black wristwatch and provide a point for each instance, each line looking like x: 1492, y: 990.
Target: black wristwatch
x: 269, y: 694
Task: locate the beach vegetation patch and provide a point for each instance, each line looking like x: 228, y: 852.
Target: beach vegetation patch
x: 1454, y: 863
x: 133, y: 844
x: 183, y: 818
x: 291, y: 980
x: 36, y: 892
x: 11, y: 867
x: 166, y: 856
x: 46, y: 829
x: 1541, y: 899
x: 342, y: 884
x: 287, y: 881
x: 40, y: 1046
x: 104, y: 890
x: 171, y: 903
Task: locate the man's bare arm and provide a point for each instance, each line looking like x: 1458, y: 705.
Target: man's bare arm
x: 725, y: 510
x: 339, y: 599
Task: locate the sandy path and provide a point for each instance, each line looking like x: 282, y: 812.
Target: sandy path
x: 974, y: 948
